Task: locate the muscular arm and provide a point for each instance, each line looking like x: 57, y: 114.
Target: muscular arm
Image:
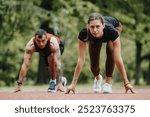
x: 54, y: 45
x: 27, y: 57
x: 80, y: 62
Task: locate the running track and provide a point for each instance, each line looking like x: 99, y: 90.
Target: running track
x: 81, y: 94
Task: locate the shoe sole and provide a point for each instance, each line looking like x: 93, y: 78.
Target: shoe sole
x: 103, y: 91
x: 107, y: 92
x: 51, y: 91
x: 97, y: 91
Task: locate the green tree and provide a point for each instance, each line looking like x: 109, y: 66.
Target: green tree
x: 19, y: 20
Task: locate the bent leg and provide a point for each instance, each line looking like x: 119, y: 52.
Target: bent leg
x: 94, y: 53
x: 54, y: 70
x: 110, y: 63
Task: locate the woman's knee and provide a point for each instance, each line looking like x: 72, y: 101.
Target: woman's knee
x: 109, y: 48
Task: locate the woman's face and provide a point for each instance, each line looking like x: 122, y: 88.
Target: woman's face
x: 96, y: 28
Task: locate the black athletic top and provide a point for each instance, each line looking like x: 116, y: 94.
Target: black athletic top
x: 110, y: 32
x: 45, y: 52
x: 111, y: 21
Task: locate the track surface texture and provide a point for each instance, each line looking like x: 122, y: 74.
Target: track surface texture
x: 81, y: 94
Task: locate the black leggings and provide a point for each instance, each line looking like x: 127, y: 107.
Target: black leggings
x: 94, y: 53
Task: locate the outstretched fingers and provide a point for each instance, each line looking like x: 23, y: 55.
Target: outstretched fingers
x: 68, y: 90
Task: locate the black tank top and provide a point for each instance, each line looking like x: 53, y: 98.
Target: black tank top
x: 44, y: 51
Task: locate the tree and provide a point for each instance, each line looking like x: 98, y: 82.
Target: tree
x: 18, y: 24
x: 20, y: 19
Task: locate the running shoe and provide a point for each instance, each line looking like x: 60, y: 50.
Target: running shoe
x: 97, y: 87
x: 52, y: 87
x: 107, y: 88
x: 64, y: 81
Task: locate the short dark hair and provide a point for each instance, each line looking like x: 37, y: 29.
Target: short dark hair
x: 40, y: 33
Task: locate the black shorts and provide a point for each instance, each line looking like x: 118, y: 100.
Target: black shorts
x: 61, y: 47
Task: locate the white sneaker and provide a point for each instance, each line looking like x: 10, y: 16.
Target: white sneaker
x: 97, y: 87
x: 107, y: 88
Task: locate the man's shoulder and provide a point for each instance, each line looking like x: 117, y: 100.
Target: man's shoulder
x: 52, y: 36
x: 30, y: 45
x: 49, y: 35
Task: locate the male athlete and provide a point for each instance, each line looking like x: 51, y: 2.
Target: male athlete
x: 50, y: 48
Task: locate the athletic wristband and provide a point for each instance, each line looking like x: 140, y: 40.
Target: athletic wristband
x: 19, y: 82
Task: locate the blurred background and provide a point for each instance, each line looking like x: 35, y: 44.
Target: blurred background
x: 19, y: 20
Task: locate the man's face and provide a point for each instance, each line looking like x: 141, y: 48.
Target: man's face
x: 41, y: 42
x: 96, y: 28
